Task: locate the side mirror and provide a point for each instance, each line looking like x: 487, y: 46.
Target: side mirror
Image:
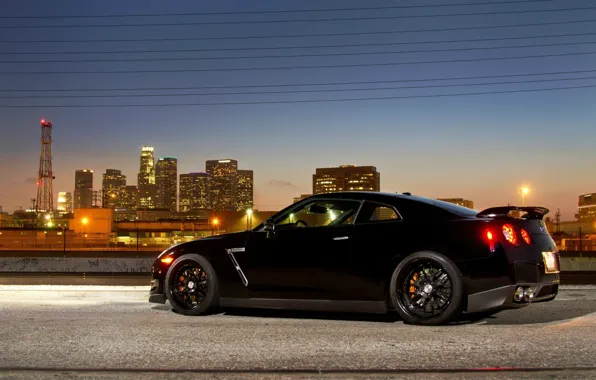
x: 269, y: 227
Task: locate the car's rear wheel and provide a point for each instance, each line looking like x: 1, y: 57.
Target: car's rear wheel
x: 191, y: 285
x: 427, y: 289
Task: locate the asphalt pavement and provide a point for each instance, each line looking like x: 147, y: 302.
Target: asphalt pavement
x: 74, y: 332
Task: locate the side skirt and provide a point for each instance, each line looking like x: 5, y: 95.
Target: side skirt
x: 376, y: 307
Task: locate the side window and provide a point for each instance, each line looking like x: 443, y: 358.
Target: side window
x: 376, y: 212
x: 384, y: 213
x: 322, y: 213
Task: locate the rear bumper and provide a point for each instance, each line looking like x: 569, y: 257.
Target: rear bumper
x: 503, y: 297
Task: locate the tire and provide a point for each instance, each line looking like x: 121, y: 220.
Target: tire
x: 446, y: 293
x: 187, y: 267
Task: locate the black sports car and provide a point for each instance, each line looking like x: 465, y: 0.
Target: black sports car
x: 368, y: 252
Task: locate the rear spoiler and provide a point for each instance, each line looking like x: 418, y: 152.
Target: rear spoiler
x: 531, y: 212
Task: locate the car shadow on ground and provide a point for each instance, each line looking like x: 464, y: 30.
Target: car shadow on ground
x: 547, y: 312
x: 550, y: 312
x: 301, y: 314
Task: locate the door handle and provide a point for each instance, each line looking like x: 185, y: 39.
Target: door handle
x: 341, y: 238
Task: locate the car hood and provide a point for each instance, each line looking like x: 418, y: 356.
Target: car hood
x: 216, y: 242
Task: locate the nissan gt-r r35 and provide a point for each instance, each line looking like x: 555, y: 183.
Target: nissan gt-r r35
x: 368, y: 252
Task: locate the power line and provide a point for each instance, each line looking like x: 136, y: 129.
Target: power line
x: 136, y: 71
x: 296, y: 91
x: 277, y: 11
x: 306, y: 84
x: 329, y: 19
x: 128, y: 51
x: 297, y: 55
x: 307, y: 35
x: 299, y: 101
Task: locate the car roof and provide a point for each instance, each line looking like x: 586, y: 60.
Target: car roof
x: 376, y: 195
x: 392, y: 197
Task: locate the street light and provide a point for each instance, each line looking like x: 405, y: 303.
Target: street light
x: 137, y: 228
x: 85, y: 221
x: 215, y: 222
x: 248, y: 219
x: 524, y: 191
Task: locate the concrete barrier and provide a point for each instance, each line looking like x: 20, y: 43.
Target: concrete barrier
x: 578, y: 263
x: 54, y: 295
x: 143, y: 264
x: 76, y: 265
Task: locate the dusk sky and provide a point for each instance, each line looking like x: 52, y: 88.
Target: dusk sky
x: 482, y: 147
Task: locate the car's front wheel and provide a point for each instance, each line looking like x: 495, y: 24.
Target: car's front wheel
x: 191, y: 285
x: 427, y: 289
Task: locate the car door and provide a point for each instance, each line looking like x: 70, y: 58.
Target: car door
x: 290, y: 262
x: 379, y: 235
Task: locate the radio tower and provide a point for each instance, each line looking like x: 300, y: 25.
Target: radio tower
x: 45, y: 197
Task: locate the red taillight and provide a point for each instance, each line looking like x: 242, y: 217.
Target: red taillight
x: 490, y: 239
x: 489, y: 235
x: 526, y: 236
x: 509, y: 233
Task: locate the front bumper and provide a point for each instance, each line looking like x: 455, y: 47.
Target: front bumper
x: 157, y: 298
x: 156, y: 292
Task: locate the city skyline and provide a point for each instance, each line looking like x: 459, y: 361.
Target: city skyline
x: 481, y: 147
x: 572, y: 212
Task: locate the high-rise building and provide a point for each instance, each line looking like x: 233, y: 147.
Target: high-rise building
x: 301, y: 197
x: 224, y: 177
x: 195, y: 191
x: 113, y: 187
x: 65, y: 202
x: 346, y: 178
x: 244, y: 190
x: 129, y: 200
x: 587, y: 207
x: 83, y: 193
x: 166, y: 182
x: 146, y: 179
x: 458, y: 201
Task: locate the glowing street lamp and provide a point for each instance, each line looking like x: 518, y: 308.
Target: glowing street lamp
x: 248, y: 219
x: 84, y: 222
x: 524, y: 191
x: 215, y: 223
x: 48, y: 216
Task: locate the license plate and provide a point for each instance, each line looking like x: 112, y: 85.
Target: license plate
x: 550, y: 262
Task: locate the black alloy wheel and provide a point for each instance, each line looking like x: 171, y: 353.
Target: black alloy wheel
x: 191, y: 285
x: 427, y: 289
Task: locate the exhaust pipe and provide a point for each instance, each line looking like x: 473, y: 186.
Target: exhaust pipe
x: 528, y: 294
x: 519, y: 294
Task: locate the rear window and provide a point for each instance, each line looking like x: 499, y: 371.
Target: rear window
x: 456, y: 209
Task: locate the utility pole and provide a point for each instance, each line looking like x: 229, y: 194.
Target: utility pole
x: 64, y: 238
x: 137, y: 225
x: 580, y: 242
